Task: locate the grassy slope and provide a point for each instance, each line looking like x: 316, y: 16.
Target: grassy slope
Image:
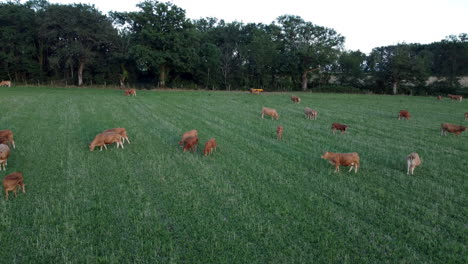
x: 254, y: 200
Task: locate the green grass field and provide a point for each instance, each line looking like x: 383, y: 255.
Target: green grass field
x: 255, y: 200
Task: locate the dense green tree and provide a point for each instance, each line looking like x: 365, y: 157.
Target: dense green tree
x: 162, y: 38
x: 351, y: 68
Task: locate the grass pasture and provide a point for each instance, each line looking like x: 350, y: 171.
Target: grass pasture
x: 256, y: 200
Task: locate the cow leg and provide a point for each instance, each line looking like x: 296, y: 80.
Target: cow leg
x: 355, y: 168
x: 409, y: 167
x: 350, y: 169
x: 13, y: 142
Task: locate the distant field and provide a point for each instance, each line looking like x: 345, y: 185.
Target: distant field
x: 256, y: 200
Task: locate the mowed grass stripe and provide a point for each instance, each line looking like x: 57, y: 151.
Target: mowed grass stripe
x: 255, y: 198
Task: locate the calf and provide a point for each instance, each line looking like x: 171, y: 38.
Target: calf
x: 130, y: 92
x: 191, y: 133
x: 271, y: 112
x: 4, y: 154
x: 413, y: 161
x: 5, y: 83
x: 6, y: 137
x: 343, y: 159
x: 12, y: 182
x: 455, y: 97
x: 439, y: 98
x: 295, y: 99
x: 191, y: 143
x: 106, y: 138
x: 337, y: 126
x: 210, y: 145
x: 121, y: 131
x: 404, y: 114
x: 279, y: 132
x: 446, y: 127
x: 310, y: 113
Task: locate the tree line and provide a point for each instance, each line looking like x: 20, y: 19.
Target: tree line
x: 158, y: 46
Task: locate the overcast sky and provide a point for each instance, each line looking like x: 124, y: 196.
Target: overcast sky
x: 365, y: 24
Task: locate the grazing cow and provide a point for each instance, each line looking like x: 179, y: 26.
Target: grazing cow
x: 106, y: 138
x: 404, y: 114
x: 5, y: 83
x: 413, y: 161
x: 210, y: 145
x: 310, y: 113
x: 271, y: 112
x: 455, y: 97
x: 12, y: 182
x: 191, y: 133
x: 130, y: 92
x: 446, y: 127
x: 439, y: 98
x: 337, y: 126
x: 191, y: 143
x: 295, y: 99
x: 279, y: 132
x: 121, y: 131
x: 6, y: 137
x: 343, y: 159
x: 4, y: 154
x: 466, y: 116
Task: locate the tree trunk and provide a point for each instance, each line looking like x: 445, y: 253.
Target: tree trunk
x: 395, y: 87
x: 304, y: 80
x: 80, y: 73
x: 162, y: 76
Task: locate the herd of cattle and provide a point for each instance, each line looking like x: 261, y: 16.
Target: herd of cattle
x: 189, y: 142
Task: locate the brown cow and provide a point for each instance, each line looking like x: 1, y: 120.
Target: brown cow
x: 439, y: 98
x: 404, y: 114
x: 6, y: 137
x: 130, y: 92
x: 310, y: 113
x: 413, y: 161
x: 466, y: 116
x: 191, y: 143
x: 446, y: 127
x: 295, y: 99
x: 279, y: 132
x: 12, y: 182
x: 191, y: 133
x: 337, y: 126
x: 343, y: 159
x: 5, y: 83
x: 210, y: 145
x: 455, y: 97
x: 106, y: 138
x: 271, y: 112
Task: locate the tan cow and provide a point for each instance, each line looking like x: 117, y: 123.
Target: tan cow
x: 342, y: 159
x: 5, y: 83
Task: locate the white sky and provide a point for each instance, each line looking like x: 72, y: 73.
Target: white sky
x: 366, y: 24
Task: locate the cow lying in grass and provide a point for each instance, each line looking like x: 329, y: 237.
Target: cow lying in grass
x: 5, y: 83
x: 279, y: 132
x: 121, y: 131
x: 404, y: 114
x: 413, y: 161
x: 295, y: 99
x: 4, y: 154
x: 271, y: 112
x: 210, y: 146
x: 310, y: 113
x: 106, y: 138
x: 337, y: 126
x: 6, y: 137
x: 446, y: 127
x: 12, y: 182
x: 191, y: 133
x: 130, y: 92
x: 343, y: 159
x: 455, y: 97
